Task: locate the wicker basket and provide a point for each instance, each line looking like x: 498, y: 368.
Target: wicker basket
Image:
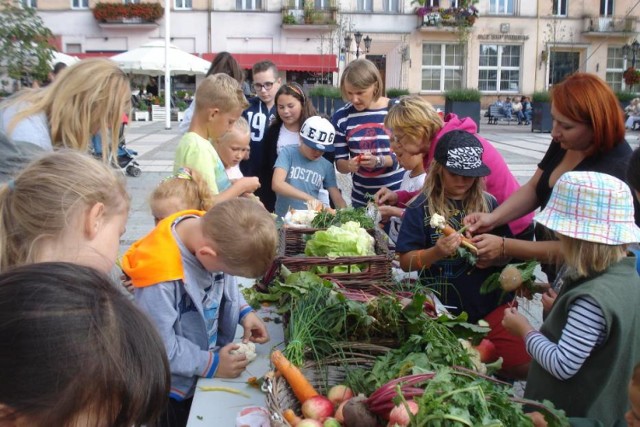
x: 373, y: 268
x: 331, y: 371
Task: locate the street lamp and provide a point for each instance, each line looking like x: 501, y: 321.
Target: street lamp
x: 358, y: 38
x: 634, y: 49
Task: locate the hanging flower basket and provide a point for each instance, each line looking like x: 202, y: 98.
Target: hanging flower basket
x: 130, y: 12
x: 631, y: 76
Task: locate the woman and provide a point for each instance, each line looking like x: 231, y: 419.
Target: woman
x: 588, y: 135
x: 88, y: 98
x: 362, y: 143
x: 417, y: 128
x: 293, y: 107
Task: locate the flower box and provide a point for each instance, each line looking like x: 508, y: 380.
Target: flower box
x: 141, y: 116
x: 130, y: 13
x: 432, y: 16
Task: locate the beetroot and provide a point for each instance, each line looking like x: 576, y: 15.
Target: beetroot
x: 356, y: 413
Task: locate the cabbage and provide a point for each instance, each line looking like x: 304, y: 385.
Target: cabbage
x: 349, y: 239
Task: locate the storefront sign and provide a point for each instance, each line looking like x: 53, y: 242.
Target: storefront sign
x: 507, y: 37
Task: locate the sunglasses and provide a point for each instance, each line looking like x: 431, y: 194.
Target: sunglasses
x: 266, y: 86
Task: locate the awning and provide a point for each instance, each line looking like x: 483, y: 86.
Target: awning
x: 284, y: 61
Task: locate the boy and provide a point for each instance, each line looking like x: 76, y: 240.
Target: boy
x: 219, y: 104
x: 261, y: 110
x: 301, y: 171
x: 183, y: 277
x: 233, y: 147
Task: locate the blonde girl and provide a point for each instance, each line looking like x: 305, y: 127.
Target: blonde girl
x: 184, y: 190
x: 64, y: 206
x: 362, y: 141
x: 454, y: 186
x: 89, y: 98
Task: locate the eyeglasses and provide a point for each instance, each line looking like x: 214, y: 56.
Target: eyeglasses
x: 398, y: 141
x: 266, y: 86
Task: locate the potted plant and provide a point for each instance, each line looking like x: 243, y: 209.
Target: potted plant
x: 288, y: 19
x: 396, y: 93
x: 326, y: 98
x: 182, y: 107
x: 141, y: 113
x: 464, y: 102
x: 120, y: 12
x: 541, y: 115
x: 309, y: 12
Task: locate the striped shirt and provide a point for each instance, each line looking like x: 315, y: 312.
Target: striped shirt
x: 584, y: 331
x: 360, y: 132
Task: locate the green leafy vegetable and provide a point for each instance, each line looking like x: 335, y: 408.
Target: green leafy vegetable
x: 347, y: 240
x: 325, y: 219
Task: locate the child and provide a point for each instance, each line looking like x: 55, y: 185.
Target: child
x: 233, y: 147
x: 454, y: 187
x: 293, y: 107
x: 633, y: 178
x: 301, y: 171
x: 588, y: 343
x: 219, y: 103
x: 183, y: 274
x: 362, y: 143
x: 75, y: 352
x: 412, y: 181
x: 64, y: 206
x: 185, y: 190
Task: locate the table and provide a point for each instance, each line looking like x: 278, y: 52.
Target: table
x: 216, y: 408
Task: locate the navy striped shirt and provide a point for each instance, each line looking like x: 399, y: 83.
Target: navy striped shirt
x: 585, y: 329
x: 359, y: 132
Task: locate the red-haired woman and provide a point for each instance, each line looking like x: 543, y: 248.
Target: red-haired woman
x: 588, y: 135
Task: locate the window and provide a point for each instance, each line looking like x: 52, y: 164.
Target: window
x: 249, y: 4
x: 182, y: 4
x: 441, y: 67
x: 392, y: 6
x: 501, y: 7
x: 322, y: 4
x: 560, y: 7
x: 29, y: 3
x: 616, y: 65
x: 606, y: 7
x: 365, y: 5
x: 80, y: 4
x: 499, y: 69
x: 131, y: 1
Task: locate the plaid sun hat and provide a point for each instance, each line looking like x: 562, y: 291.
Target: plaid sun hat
x: 591, y: 206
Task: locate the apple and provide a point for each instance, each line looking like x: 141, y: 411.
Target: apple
x: 317, y: 408
x: 308, y: 422
x: 339, y: 393
x: 399, y: 415
x: 331, y: 422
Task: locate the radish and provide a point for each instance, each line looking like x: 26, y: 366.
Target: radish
x: 317, y: 408
x: 308, y: 422
x: 339, y: 393
x: 487, y: 351
x: 400, y: 416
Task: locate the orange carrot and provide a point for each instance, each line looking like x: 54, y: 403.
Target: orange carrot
x: 299, y: 384
x: 448, y: 231
x: 291, y: 417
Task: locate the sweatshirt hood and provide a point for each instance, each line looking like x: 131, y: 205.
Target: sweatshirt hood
x: 451, y: 122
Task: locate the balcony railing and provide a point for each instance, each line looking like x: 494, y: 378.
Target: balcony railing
x: 606, y: 25
x: 309, y: 13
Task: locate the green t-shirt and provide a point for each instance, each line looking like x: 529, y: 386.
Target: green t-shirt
x: 197, y: 153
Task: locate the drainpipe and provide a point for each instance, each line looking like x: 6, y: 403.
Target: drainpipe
x: 209, y: 11
x: 535, y: 72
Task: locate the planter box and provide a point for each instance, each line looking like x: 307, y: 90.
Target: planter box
x: 141, y: 116
x: 462, y: 109
x: 157, y: 113
x: 180, y: 116
x: 541, y: 117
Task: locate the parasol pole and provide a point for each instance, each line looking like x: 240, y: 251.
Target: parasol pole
x: 167, y: 70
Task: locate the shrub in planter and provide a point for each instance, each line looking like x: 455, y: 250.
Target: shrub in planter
x: 464, y: 103
x: 541, y: 115
x: 467, y: 94
x: 395, y: 92
x: 541, y: 96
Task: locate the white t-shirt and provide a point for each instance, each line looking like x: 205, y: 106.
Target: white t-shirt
x: 33, y: 129
x: 409, y: 184
x: 234, y: 172
x: 285, y: 138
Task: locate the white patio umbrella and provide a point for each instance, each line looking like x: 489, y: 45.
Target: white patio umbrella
x: 63, y: 57
x: 149, y: 59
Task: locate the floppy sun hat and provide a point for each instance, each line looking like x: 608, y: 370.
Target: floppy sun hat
x: 461, y: 154
x: 318, y: 133
x: 591, y: 206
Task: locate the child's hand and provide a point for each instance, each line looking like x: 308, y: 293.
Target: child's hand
x: 387, y: 212
x: 127, y: 283
x: 384, y: 196
x: 254, y: 329
x: 516, y: 323
x: 368, y: 160
x: 249, y: 184
x: 448, y: 245
x: 548, y: 298
x: 231, y: 365
x: 489, y: 249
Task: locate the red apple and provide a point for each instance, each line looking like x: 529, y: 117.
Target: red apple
x: 317, y: 408
x: 487, y: 351
x: 339, y: 393
x: 399, y: 415
x: 308, y: 422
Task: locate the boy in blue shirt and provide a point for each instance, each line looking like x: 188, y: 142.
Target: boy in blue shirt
x: 301, y: 171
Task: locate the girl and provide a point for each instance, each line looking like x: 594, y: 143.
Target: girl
x: 233, y: 147
x: 452, y: 188
x: 301, y: 171
x: 362, y: 142
x: 586, y: 347
x: 185, y: 190
x: 292, y: 109
x: 89, y: 98
x: 75, y: 352
x: 64, y: 206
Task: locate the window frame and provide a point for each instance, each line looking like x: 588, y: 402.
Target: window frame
x: 499, y: 68
x: 186, y: 4
x: 558, y: 6
x: 495, y: 6
x: 607, y: 8
x: 81, y: 3
x: 256, y: 5
x: 30, y: 4
x: 364, y: 4
x: 618, y: 84
x: 387, y: 6
x: 443, y: 67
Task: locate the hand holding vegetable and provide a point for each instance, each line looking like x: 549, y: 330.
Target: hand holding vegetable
x: 489, y: 249
x: 354, y: 163
x: 384, y: 196
x: 231, y: 365
x: 479, y: 222
x: 254, y: 329
x: 389, y: 211
x: 516, y: 323
x: 440, y: 223
x: 447, y: 246
x: 548, y: 298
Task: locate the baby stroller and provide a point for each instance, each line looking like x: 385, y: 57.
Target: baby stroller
x: 126, y: 157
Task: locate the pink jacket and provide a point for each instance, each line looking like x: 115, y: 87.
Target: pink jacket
x: 501, y: 183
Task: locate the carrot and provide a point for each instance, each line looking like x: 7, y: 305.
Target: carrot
x: 299, y: 384
x: 358, y: 158
x: 291, y: 417
x: 448, y: 231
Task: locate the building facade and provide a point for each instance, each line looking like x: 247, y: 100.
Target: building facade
x: 511, y: 47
